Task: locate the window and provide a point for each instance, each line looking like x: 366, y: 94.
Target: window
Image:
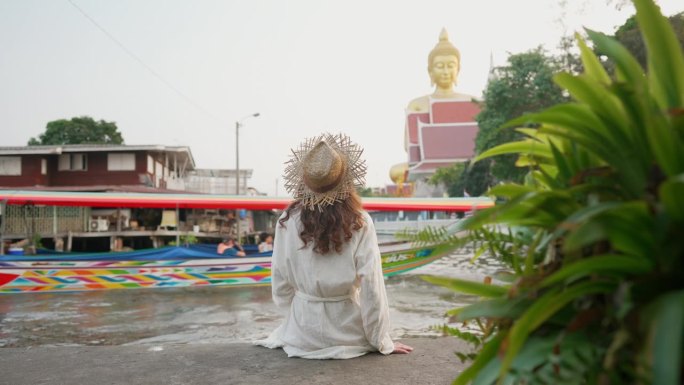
x: 158, y: 173
x: 121, y: 162
x: 10, y: 165
x: 64, y: 162
x: 73, y: 162
x: 43, y: 166
x: 150, y: 164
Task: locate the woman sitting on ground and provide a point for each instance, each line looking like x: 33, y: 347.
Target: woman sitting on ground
x: 326, y: 267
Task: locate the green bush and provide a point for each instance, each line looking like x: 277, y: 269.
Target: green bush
x: 595, y: 236
x: 185, y: 240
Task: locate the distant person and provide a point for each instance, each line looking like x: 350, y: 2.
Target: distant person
x: 326, y: 270
x: 229, y: 247
x: 266, y: 242
x: 231, y: 222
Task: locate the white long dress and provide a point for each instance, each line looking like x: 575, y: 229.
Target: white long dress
x: 335, y: 304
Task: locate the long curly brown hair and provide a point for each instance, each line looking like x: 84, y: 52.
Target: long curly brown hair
x: 330, y: 227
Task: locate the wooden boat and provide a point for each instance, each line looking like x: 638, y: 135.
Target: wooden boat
x: 72, y: 274
x: 183, y: 266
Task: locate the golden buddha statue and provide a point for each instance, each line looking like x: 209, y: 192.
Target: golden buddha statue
x: 398, y: 174
x: 440, y: 128
x: 444, y: 63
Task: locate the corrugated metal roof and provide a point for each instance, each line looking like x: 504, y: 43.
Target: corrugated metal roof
x: 68, y: 148
x: 99, y: 189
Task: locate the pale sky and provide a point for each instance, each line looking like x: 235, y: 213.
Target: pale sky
x: 306, y: 66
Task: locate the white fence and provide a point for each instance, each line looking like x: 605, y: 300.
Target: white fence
x: 414, y: 226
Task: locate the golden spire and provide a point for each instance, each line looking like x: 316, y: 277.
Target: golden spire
x: 443, y: 36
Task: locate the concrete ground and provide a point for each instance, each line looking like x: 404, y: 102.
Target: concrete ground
x: 432, y: 362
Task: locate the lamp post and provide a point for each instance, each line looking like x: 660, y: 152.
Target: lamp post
x: 237, y: 164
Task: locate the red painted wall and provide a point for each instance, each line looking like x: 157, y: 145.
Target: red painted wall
x: 30, y: 173
x: 96, y: 173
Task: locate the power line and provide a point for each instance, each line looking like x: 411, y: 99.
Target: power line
x: 147, y: 67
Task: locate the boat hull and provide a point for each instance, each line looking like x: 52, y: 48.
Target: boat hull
x: 53, y: 276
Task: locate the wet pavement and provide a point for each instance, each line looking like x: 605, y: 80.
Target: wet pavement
x: 209, y: 314
x: 431, y: 362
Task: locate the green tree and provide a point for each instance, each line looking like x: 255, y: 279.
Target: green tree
x: 522, y: 86
x: 79, y: 130
x: 475, y: 180
x: 447, y: 176
x: 365, y: 192
x: 568, y: 56
x: 462, y: 178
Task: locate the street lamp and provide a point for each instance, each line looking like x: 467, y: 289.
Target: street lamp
x: 237, y: 164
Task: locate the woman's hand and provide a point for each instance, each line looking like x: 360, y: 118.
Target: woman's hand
x: 400, y: 348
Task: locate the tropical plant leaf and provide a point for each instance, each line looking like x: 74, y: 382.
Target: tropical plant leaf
x: 565, y: 170
x: 629, y: 69
x: 638, y: 107
x: 510, y: 191
x: 671, y: 194
x: 542, y: 309
x: 483, y: 358
x: 471, y: 338
x: 597, y: 265
x: 468, y: 287
x: 578, y: 124
x: 665, y: 143
x: 566, y: 359
x: 529, y: 146
x: 665, y: 57
x: 493, y: 308
x: 592, y: 66
x: 667, y: 343
x: 604, y: 104
x: 626, y: 225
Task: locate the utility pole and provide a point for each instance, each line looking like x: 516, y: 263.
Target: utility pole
x: 237, y: 166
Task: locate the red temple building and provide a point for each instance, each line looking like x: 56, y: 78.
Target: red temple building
x: 441, y: 137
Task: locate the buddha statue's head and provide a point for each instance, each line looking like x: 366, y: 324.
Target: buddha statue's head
x: 444, y: 63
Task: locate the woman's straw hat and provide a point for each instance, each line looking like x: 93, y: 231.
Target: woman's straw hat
x: 324, y: 170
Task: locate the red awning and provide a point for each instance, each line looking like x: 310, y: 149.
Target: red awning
x: 206, y: 201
